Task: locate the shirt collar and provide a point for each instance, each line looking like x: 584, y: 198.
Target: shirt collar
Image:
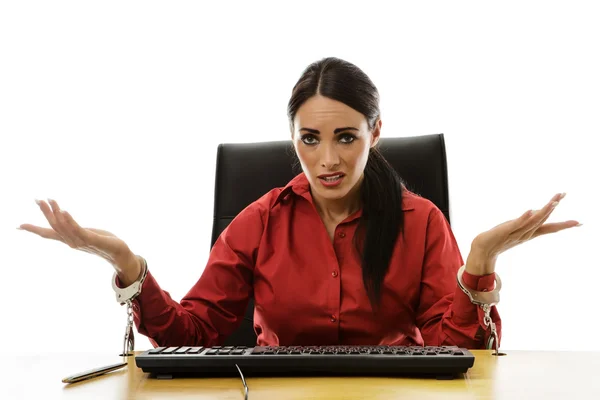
x: 301, y: 187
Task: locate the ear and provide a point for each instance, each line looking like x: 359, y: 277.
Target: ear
x: 376, y: 133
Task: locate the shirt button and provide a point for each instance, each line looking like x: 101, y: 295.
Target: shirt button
x: 342, y: 234
x: 333, y: 318
x: 334, y: 274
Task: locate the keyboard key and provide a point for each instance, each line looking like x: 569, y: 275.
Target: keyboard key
x: 169, y: 350
x: 156, y: 350
x: 195, y: 350
x: 182, y: 350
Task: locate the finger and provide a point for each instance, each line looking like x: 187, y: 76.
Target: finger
x: 555, y: 227
x: 46, y: 233
x: 554, y: 202
x: 48, y: 213
x: 51, y: 218
x: 520, y: 222
x: 543, y: 214
x: 60, y: 224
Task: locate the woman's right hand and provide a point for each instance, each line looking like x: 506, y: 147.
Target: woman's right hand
x: 94, y: 241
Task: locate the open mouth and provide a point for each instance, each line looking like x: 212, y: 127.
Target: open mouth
x: 332, y: 180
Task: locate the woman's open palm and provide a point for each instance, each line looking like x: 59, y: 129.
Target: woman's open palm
x: 64, y: 228
x: 522, y: 229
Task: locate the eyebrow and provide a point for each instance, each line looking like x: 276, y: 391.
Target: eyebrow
x: 335, y: 132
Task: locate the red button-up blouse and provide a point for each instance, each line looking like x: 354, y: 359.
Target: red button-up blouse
x: 309, y: 290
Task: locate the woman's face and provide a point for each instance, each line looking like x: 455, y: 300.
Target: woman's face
x: 332, y: 141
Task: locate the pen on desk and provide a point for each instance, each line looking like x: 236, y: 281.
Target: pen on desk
x: 91, y: 373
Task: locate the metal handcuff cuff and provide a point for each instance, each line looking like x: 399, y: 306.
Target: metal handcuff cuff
x: 125, y: 296
x: 486, y: 300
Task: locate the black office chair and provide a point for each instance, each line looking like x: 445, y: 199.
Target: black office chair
x: 247, y: 171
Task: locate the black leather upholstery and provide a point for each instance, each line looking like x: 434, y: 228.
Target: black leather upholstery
x: 247, y: 171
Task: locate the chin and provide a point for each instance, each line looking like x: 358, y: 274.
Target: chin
x: 332, y: 193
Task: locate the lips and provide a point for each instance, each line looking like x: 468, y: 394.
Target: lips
x: 330, y: 175
x: 331, y: 180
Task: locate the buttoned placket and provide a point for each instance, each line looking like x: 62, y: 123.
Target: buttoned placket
x: 334, y: 265
x: 338, y: 243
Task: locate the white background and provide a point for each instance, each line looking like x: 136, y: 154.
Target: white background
x: 115, y: 109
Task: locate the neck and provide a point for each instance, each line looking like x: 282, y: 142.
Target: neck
x: 338, y: 209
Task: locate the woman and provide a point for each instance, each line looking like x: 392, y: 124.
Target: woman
x: 344, y: 254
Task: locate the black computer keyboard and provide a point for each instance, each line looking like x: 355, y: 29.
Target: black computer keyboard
x: 442, y: 362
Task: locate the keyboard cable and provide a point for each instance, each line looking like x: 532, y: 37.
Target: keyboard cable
x: 244, y: 382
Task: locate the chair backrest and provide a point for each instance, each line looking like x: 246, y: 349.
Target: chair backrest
x: 246, y: 171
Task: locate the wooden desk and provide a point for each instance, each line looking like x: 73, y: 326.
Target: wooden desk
x: 518, y: 375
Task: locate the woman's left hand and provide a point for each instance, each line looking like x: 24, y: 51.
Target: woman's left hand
x: 486, y: 247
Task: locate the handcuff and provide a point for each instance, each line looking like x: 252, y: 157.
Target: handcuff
x: 485, y: 300
x: 125, y: 296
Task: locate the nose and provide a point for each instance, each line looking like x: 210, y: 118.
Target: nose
x: 329, y: 156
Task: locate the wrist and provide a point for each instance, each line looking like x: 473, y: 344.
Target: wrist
x: 479, y: 263
x: 130, y: 270
x: 130, y: 286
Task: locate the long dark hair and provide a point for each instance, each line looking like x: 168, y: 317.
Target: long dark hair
x: 381, y: 191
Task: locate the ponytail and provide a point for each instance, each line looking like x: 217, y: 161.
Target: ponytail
x: 381, y: 222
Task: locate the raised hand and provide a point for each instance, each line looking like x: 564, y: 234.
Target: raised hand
x: 104, y: 244
x: 489, y: 244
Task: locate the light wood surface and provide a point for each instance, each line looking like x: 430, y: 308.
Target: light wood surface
x: 517, y: 375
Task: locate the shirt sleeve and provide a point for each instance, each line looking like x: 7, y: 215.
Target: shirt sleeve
x: 446, y: 316
x: 215, y: 305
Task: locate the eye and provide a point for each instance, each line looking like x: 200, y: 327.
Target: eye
x: 347, y: 138
x: 308, y: 139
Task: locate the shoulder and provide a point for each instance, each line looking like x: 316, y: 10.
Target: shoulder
x: 426, y: 225
x: 415, y: 202
x: 421, y: 208
x: 266, y: 203
x: 244, y: 230
x: 298, y: 185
